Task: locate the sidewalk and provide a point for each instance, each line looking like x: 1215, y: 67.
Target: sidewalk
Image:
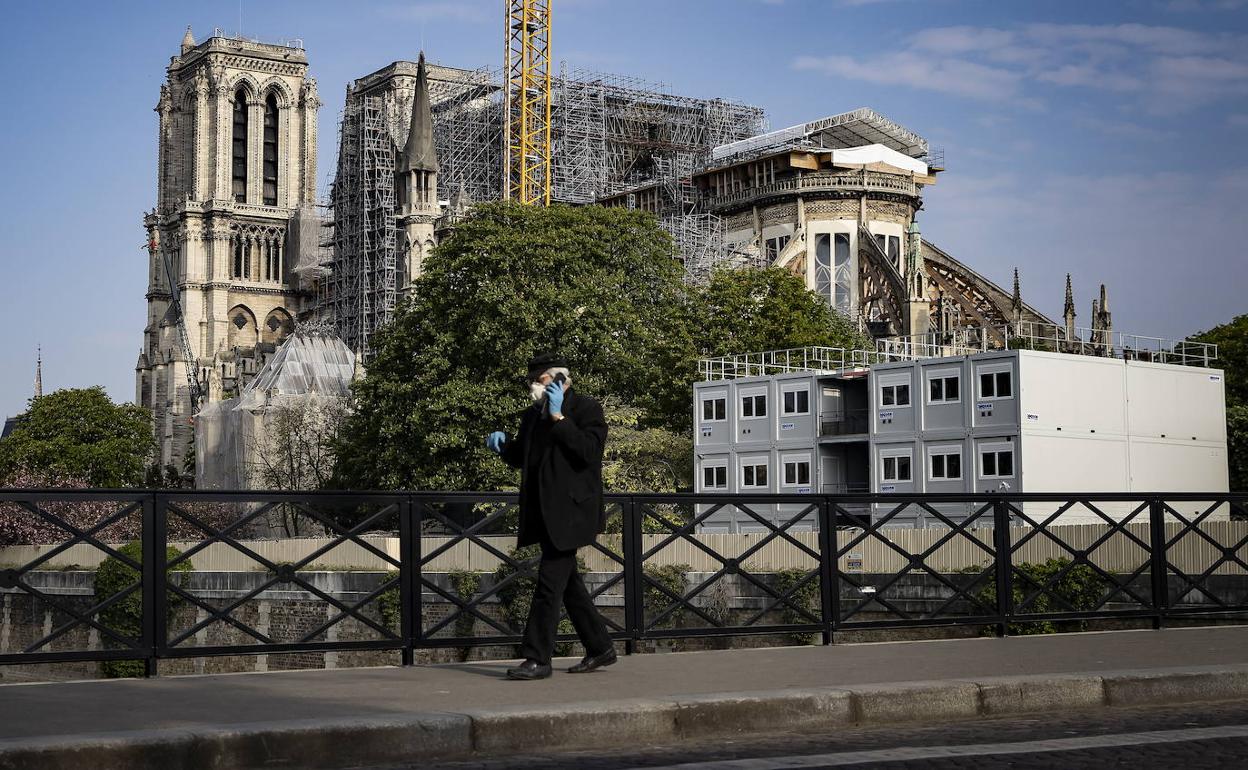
x: 355, y: 716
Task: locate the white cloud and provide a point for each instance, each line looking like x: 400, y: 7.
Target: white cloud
x: 951, y: 76
x: 1162, y: 69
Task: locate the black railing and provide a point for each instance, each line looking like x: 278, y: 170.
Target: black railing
x: 850, y: 422
x: 805, y: 564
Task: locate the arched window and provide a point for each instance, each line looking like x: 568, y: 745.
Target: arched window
x: 239, y: 173
x: 842, y: 271
x: 270, y: 151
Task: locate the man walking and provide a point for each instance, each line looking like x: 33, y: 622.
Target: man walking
x: 558, y: 450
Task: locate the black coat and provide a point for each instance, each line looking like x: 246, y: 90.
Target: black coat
x: 569, y: 476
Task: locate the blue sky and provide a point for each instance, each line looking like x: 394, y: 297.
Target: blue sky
x: 1104, y: 139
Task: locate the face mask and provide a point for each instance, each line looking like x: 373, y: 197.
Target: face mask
x: 537, y: 391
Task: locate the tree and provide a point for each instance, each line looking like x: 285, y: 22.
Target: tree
x: 754, y: 310
x: 293, y: 449
x: 80, y: 434
x: 596, y: 284
x: 1232, y: 341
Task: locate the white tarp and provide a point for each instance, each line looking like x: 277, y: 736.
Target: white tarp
x: 877, y: 153
x: 308, y: 371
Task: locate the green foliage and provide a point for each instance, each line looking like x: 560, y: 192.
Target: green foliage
x: 655, y: 601
x: 389, y: 603
x: 125, y: 616
x: 644, y: 459
x: 745, y: 311
x: 1026, y: 343
x: 465, y: 583
x: 596, y: 284
x: 1232, y: 341
x: 80, y: 433
x: 517, y: 596
x: 1080, y: 589
x: 1237, y: 445
x: 806, y: 597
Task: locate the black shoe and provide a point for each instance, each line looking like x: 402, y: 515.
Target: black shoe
x: 591, y: 662
x: 529, y: 669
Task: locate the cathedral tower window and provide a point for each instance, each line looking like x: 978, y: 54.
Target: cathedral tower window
x: 270, y: 151
x: 239, y: 172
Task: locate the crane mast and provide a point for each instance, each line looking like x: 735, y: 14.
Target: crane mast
x: 526, y: 160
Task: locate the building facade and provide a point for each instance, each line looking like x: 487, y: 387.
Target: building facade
x: 236, y: 164
x: 996, y: 421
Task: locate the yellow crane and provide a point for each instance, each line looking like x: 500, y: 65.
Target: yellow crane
x: 526, y: 162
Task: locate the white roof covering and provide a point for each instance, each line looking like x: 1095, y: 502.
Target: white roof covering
x: 877, y: 153
x: 861, y: 127
x: 307, y: 362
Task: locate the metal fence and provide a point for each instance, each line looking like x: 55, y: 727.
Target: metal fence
x: 988, y: 561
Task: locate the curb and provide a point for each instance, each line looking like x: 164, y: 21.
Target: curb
x: 324, y: 743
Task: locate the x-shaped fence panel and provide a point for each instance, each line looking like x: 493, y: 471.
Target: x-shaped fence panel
x: 1075, y: 558
x: 1206, y: 554
x: 891, y: 573
x: 468, y: 564
x: 690, y: 579
x: 321, y: 590
x: 103, y: 625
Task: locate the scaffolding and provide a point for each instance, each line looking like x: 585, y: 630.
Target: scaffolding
x: 362, y: 281
x: 609, y: 134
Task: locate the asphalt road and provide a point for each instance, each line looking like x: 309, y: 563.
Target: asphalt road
x: 1189, y: 737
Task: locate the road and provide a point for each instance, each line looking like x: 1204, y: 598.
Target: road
x: 1201, y: 737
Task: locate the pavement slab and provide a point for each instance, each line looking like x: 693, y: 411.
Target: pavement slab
x: 656, y: 698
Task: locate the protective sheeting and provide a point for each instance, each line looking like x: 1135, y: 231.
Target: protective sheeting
x: 877, y: 153
x: 309, y: 370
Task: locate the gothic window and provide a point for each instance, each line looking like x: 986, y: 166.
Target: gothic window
x: 270, y: 151
x: 843, y: 273
x: 894, y: 251
x: 239, y: 168
x: 239, y: 260
x: 823, y: 265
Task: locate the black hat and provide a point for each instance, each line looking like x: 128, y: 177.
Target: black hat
x: 543, y: 361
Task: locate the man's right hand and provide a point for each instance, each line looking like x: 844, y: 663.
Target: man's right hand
x: 495, y: 441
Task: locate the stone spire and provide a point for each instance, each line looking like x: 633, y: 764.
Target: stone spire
x: 1016, y: 303
x: 39, y: 372
x: 919, y: 320
x: 419, y: 153
x: 1068, y: 312
x: 188, y: 40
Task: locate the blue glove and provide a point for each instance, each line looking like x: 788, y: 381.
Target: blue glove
x: 554, y: 397
x: 495, y: 441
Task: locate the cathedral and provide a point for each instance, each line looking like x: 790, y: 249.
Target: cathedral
x: 238, y: 253
x: 236, y: 177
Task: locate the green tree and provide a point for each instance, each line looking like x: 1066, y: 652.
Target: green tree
x: 596, y: 284
x: 1232, y: 341
x: 752, y: 310
x: 80, y: 434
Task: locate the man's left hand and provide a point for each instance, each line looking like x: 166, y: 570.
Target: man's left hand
x: 554, y: 397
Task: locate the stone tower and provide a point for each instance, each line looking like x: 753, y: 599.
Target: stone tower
x: 237, y: 157
x: 416, y: 183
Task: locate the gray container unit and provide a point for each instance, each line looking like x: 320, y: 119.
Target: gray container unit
x: 893, y: 391
x: 797, y: 408
x: 994, y: 379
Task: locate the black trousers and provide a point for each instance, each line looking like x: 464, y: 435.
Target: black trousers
x: 558, y: 579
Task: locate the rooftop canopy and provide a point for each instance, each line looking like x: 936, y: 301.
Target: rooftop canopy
x: 861, y: 127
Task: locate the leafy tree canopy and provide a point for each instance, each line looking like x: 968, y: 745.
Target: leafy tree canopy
x: 80, y: 434
x: 1232, y: 341
x: 596, y: 284
x: 599, y: 286
x: 747, y: 311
